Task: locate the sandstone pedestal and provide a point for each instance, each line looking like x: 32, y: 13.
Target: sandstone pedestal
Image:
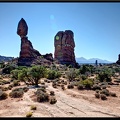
x: 27, y: 52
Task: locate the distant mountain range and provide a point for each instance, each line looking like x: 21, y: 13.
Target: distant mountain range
x: 5, y: 58
x: 79, y: 60
x: 92, y: 60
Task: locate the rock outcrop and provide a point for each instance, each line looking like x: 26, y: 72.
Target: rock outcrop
x: 27, y: 53
x: 118, y: 61
x: 64, y: 47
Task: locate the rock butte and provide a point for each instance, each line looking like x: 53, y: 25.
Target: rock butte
x: 64, y: 47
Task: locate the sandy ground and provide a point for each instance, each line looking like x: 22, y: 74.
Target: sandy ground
x: 70, y: 103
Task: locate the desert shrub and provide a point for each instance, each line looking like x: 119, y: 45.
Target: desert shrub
x: 54, y: 85
x: 103, y: 86
x: 25, y: 89
x: 71, y: 74
x: 4, y: 88
x: 15, y: 73
x: 70, y: 86
x: 83, y: 77
x: 52, y: 74
x: 29, y: 114
x: 53, y: 100
x: 2, y: 82
x: 52, y: 93
x: 62, y: 81
x: 96, y: 81
x: 80, y: 87
x: 33, y: 107
x: 97, y: 91
x: 97, y: 95
x: 16, y: 93
x: 86, y: 68
x: 88, y: 83
x: 16, y: 83
x: 105, y: 92
x: 113, y: 94
x: 96, y: 87
x: 105, y: 74
x: 42, y: 97
x: 63, y: 87
x: 3, y: 95
x: 7, y: 69
x: 65, y: 83
x: 59, y: 82
x: 11, y: 85
x: 39, y: 90
x: 103, y: 97
x: 32, y: 75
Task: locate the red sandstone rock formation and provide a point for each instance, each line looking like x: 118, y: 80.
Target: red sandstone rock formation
x: 27, y: 53
x: 64, y: 47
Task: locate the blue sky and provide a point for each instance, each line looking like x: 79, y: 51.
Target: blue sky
x: 96, y: 27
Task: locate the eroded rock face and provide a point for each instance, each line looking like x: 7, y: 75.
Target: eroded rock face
x: 64, y: 47
x: 118, y: 61
x: 27, y: 53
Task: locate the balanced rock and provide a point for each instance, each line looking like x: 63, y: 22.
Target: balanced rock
x: 27, y: 53
x: 64, y: 47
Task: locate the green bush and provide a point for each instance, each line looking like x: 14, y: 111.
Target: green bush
x: 15, y: 73
x: 84, y: 77
x: 52, y: 74
x: 88, y: 83
x: 71, y: 74
x: 105, y: 74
